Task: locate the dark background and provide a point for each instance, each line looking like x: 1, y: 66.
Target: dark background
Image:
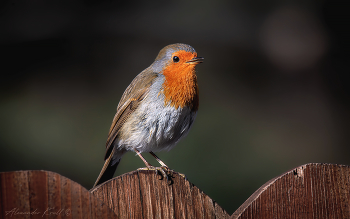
x: 274, y: 91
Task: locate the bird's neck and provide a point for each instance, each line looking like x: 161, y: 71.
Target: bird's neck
x: 180, y: 87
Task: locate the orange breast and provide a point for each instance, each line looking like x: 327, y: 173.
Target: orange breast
x: 180, y: 85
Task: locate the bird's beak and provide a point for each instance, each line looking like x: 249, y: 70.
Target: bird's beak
x: 196, y: 60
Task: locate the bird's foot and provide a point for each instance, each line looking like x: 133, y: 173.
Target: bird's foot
x: 183, y: 176
x: 163, y: 171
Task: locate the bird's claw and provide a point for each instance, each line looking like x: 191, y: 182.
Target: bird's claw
x: 163, y: 171
x: 183, y: 176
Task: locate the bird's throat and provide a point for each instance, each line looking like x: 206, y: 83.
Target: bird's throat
x: 180, y: 86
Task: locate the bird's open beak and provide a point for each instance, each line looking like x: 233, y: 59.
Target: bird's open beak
x: 196, y: 60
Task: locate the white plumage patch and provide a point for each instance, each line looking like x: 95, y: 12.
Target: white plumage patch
x: 155, y: 126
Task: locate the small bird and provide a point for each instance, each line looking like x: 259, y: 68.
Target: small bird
x: 156, y: 110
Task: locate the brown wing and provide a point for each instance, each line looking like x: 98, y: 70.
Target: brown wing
x: 132, y: 97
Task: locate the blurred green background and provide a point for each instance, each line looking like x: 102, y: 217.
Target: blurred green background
x: 274, y: 91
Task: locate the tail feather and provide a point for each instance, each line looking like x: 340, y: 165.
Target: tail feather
x: 107, y: 171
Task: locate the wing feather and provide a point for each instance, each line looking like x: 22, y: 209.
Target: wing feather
x: 131, y: 99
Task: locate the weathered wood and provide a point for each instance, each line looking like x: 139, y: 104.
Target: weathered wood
x: 141, y: 194
x: 43, y: 194
x: 310, y: 191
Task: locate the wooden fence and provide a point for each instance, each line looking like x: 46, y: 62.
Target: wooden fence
x: 309, y: 191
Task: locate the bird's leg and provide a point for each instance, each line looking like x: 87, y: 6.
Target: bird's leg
x: 164, y: 165
x: 150, y: 167
x: 159, y: 160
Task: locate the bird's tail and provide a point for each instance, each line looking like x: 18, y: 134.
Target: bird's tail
x: 108, y: 169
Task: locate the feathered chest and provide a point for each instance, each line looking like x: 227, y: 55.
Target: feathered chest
x: 180, y: 87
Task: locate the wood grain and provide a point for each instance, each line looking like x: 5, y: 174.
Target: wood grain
x: 310, y: 191
x: 44, y: 194
x: 142, y: 194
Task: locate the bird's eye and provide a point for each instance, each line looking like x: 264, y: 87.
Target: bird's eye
x: 176, y: 59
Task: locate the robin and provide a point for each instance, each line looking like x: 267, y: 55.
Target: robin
x: 156, y: 110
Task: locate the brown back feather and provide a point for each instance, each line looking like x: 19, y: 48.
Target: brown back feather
x: 131, y: 99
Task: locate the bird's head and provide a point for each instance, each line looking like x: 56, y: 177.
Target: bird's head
x: 177, y: 63
x: 176, y: 57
